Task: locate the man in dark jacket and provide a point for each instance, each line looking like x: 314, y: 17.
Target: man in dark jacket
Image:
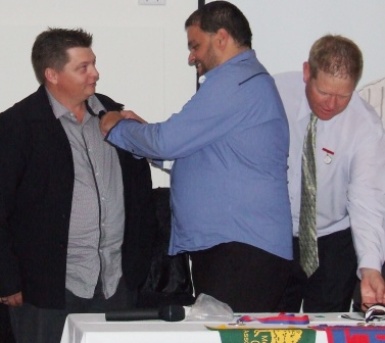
x: 76, y: 223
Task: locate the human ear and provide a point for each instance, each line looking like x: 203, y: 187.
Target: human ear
x: 222, y: 37
x: 50, y: 75
x: 306, y: 72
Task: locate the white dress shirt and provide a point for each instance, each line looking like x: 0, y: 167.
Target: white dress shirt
x: 350, y: 178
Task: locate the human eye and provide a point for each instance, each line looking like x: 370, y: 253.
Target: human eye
x: 194, y: 47
x: 82, y: 68
x: 322, y: 93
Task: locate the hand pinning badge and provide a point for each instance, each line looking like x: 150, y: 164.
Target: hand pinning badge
x: 329, y: 156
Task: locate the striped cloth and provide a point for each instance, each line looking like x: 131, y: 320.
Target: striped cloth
x: 374, y: 94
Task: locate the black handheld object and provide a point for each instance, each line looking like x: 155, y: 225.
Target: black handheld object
x: 170, y: 313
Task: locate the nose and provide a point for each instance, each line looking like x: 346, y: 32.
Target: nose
x: 331, y: 102
x: 95, y: 73
x: 191, y: 59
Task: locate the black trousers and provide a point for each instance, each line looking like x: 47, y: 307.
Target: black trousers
x: 6, y: 335
x: 32, y: 324
x: 330, y: 288
x: 246, y: 278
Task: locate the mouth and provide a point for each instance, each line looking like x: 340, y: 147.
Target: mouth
x: 327, y: 110
x: 199, y: 68
x: 325, y: 114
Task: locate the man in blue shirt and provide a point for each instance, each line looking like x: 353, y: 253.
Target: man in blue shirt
x: 229, y: 144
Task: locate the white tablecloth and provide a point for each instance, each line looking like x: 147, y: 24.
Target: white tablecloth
x: 93, y: 328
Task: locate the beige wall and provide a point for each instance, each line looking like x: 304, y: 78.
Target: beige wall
x: 142, y: 50
x: 283, y: 30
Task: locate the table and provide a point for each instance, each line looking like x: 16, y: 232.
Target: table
x: 93, y: 328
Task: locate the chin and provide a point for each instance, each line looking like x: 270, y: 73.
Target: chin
x: 326, y: 117
x: 90, y: 91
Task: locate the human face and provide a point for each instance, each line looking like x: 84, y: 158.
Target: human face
x: 327, y: 95
x: 77, y: 80
x: 202, y: 49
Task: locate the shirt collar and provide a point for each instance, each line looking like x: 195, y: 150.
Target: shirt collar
x: 59, y: 110
x: 241, y: 56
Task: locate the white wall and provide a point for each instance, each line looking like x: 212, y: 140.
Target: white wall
x: 283, y: 30
x: 142, y: 50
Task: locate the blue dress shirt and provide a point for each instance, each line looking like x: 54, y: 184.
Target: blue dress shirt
x: 230, y: 145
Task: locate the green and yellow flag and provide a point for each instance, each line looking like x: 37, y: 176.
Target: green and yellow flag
x: 268, y: 335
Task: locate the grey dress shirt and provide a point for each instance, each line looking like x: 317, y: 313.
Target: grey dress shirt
x: 97, y: 214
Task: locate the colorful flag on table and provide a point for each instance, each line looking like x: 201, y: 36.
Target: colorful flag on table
x: 354, y: 334
x: 268, y: 336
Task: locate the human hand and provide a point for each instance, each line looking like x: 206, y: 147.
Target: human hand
x: 14, y: 300
x: 372, y: 287
x: 109, y: 120
x: 132, y: 115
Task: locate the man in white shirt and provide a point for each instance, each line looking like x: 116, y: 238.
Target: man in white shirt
x: 350, y: 173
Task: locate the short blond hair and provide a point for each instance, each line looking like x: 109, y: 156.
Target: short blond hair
x: 336, y: 55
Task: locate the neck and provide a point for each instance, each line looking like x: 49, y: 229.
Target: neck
x: 75, y: 106
x: 232, y: 52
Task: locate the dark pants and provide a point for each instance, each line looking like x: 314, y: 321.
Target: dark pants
x: 246, y: 278
x: 38, y: 325
x: 6, y: 335
x: 330, y: 288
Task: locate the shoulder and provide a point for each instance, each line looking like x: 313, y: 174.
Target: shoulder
x: 108, y: 103
x: 237, y: 71
x: 291, y: 89
x: 362, y: 117
x: 289, y: 81
x: 362, y: 109
x: 290, y: 86
x: 28, y: 108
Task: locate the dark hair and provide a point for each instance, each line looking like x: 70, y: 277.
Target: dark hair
x: 336, y: 55
x: 50, y: 49
x: 222, y: 14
